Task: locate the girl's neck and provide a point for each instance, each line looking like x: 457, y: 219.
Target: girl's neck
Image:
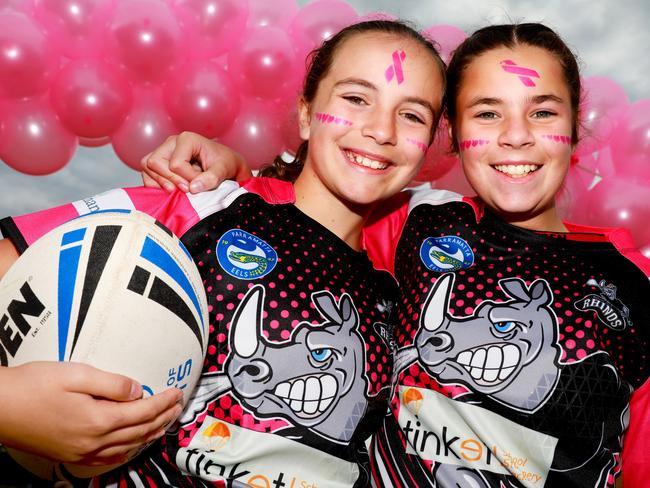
x: 343, y: 219
x: 546, y: 221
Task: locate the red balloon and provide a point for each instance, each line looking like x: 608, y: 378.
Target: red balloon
x: 94, y: 142
x: 78, y: 27
x: 604, y: 102
x: 146, y: 38
x: 27, y: 61
x: 91, y: 98
x: 24, y: 6
x: 203, y: 100
x: 256, y: 132
x: 318, y: 21
x: 448, y: 37
x: 630, y: 142
x: 32, y: 138
x: 615, y: 202
x: 212, y: 26
x: 278, y: 13
x: 454, y: 180
x: 439, y: 159
x: 265, y: 63
x: 144, y: 129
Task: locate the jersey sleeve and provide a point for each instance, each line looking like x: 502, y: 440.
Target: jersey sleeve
x: 177, y: 211
x: 636, y: 444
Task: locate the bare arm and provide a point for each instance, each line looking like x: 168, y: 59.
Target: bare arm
x: 72, y: 412
x: 8, y: 255
x: 192, y: 163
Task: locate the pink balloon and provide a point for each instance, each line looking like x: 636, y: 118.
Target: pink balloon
x: 144, y: 129
x: 318, y: 21
x: 27, y: 61
x: 79, y: 27
x: 288, y: 121
x: 256, y: 132
x: 448, y: 37
x: 615, y: 202
x: 630, y: 142
x: 203, y: 99
x: 377, y: 16
x: 146, y: 38
x: 265, y: 64
x: 23, y: 6
x: 32, y: 139
x: 278, y: 13
x: 604, y: 102
x: 94, y: 142
x: 91, y: 98
x: 212, y: 26
x: 438, y: 160
x: 454, y: 180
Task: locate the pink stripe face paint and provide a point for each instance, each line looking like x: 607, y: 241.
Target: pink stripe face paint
x: 331, y: 119
x: 395, y: 69
x: 558, y: 138
x: 421, y: 145
x: 470, y: 143
x: 524, y: 74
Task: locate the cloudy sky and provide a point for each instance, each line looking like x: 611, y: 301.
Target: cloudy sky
x: 610, y: 37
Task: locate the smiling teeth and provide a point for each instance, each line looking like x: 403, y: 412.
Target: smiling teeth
x: 363, y: 161
x: 308, y: 396
x: 516, y: 170
x: 491, y: 364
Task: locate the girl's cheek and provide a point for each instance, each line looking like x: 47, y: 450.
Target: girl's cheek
x: 326, y: 118
x: 418, y: 144
x: 473, y: 143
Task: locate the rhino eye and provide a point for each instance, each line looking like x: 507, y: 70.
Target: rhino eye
x: 321, y: 355
x: 505, y: 326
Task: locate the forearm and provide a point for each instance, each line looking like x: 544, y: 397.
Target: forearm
x: 8, y: 255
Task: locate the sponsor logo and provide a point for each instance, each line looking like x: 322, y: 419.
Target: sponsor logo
x: 244, y: 255
x: 445, y: 431
x: 13, y: 324
x: 446, y: 253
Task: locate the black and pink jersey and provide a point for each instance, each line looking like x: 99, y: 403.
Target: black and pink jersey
x: 298, y: 369
x: 520, y: 356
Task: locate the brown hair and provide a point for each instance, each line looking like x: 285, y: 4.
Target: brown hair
x: 319, y: 63
x: 511, y: 35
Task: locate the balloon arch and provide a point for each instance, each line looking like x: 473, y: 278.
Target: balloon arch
x: 131, y: 72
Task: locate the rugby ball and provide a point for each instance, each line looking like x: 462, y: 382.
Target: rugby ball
x: 113, y: 289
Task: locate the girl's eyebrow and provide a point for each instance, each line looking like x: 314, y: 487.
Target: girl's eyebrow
x: 537, y: 99
x: 366, y: 84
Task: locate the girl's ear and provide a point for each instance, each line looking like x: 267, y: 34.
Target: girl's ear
x: 304, y: 119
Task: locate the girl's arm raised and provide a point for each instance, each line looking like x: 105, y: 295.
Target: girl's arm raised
x: 192, y: 163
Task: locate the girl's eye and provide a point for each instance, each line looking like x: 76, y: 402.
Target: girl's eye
x: 356, y: 100
x: 414, y: 118
x: 487, y: 115
x: 543, y: 114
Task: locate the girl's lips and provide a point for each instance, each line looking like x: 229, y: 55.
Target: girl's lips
x: 366, y: 160
x: 516, y: 170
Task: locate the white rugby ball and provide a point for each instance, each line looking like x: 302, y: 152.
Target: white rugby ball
x: 116, y: 290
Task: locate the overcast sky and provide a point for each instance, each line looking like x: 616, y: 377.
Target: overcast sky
x: 612, y: 39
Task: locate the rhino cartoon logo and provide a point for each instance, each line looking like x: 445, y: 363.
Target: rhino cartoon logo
x: 507, y: 350
x: 314, y: 380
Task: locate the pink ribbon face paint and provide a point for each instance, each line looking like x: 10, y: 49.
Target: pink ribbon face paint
x: 524, y: 74
x: 558, y: 138
x: 331, y: 119
x: 470, y: 143
x: 421, y: 145
x: 395, y: 69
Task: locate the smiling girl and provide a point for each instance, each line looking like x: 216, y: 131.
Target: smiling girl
x: 297, y: 375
